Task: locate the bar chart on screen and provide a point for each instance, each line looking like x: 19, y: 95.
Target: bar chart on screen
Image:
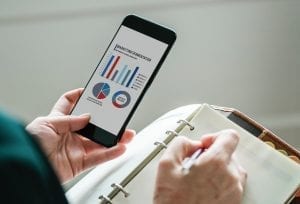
x: 117, y: 69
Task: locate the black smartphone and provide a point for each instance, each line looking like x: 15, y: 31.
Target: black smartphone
x: 122, y: 77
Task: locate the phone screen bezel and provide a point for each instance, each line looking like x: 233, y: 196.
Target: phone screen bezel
x: 99, y: 135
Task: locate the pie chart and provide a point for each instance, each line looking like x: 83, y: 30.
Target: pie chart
x: 121, y: 99
x: 101, y: 90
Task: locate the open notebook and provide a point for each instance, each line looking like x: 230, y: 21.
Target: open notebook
x: 272, y: 176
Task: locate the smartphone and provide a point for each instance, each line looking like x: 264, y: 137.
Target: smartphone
x: 122, y: 77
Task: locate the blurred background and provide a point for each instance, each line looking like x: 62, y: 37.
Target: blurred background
x: 241, y: 54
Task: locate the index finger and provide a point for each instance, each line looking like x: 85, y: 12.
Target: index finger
x: 66, y: 102
x: 127, y: 136
x: 221, y: 144
x: 180, y: 148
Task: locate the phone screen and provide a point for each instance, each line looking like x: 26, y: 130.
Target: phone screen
x: 120, y: 78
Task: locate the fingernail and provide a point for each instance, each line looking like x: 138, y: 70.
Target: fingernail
x: 85, y: 115
x: 133, y: 131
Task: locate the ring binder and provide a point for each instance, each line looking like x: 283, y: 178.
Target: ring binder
x: 194, y: 121
x: 118, y: 186
x: 171, y: 132
x: 186, y: 123
x: 105, y: 200
x: 161, y: 143
x: 144, y: 163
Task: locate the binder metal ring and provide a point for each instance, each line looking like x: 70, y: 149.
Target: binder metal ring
x: 187, y: 123
x: 169, y: 132
x: 105, y: 199
x: 118, y: 186
x: 161, y: 143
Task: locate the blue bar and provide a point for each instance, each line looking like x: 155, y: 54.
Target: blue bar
x: 127, y: 74
x: 115, y: 74
x: 132, y: 76
x: 106, y: 68
x: 122, y: 73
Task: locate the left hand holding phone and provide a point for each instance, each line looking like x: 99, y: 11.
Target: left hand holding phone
x: 68, y: 152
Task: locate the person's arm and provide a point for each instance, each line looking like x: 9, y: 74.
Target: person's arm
x: 23, y: 183
x: 25, y: 173
x: 68, y: 152
x: 215, y: 177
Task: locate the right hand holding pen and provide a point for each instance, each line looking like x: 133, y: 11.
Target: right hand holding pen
x: 214, y: 178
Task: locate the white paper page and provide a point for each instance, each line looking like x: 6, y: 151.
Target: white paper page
x: 272, y: 177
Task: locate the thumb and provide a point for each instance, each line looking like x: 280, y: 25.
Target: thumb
x: 67, y: 123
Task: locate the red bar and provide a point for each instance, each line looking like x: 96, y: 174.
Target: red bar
x: 113, y: 67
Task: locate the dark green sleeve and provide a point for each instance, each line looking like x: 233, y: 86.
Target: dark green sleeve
x: 25, y: 174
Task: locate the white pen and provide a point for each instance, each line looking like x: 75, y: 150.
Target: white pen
x: 188, y: 162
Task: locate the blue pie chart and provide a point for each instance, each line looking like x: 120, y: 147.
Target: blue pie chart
x: 101, y: 90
